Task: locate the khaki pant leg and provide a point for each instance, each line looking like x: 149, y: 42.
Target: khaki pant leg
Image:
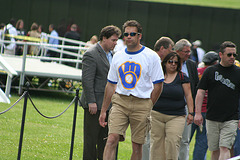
x: 166, y: 133
x: 174, y: 130
x: 157, y: 137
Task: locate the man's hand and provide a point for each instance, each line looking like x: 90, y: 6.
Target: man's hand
x: 198, y: 120
x: 92, y: 108
x: 102, y: 118
x: 189, y: 119
x: 109, y: 91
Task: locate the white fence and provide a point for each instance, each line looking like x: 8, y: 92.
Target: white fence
x: 76, y: 52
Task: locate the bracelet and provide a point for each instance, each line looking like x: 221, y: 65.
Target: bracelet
x: 191, y: 113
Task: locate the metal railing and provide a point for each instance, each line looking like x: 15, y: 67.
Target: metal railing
x: 76, y: 52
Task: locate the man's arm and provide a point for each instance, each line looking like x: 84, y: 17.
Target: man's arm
x: 156, y: 92
x: 88, y: 76
x: 109, y: 91
x: 198, y: 120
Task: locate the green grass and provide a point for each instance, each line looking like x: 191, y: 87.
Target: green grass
x: 233, y: 4
x: 47, y: 138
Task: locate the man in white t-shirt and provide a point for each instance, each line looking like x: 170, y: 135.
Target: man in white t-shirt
x: 134, y: 84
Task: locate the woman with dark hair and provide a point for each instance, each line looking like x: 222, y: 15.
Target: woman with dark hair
x: 20, y: 32
x: 20, y: 28
x: 168, y: 114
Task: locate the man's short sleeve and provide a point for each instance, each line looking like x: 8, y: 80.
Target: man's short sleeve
x: 203, y: 82
x: 157, y: 74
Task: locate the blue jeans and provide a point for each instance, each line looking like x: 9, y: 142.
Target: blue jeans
x: 201, y: 146
x: 185, y: 141
x: 237, y: 144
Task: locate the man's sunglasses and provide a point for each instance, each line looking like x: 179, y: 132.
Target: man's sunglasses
x: 172, y: 61
x: 230, y: 54
x: 132, y: 34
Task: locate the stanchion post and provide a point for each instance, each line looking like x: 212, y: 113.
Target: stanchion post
x: 22, y: 75
x: 23, y: 122
x: 74, y: 123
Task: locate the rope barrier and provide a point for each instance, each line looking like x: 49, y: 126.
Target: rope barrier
x: 53, y: 116
x: 14, y: 103
x: 27, y: 96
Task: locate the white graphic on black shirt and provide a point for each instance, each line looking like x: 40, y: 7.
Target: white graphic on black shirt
x: 225, y: 81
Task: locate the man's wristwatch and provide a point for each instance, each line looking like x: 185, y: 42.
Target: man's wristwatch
x: 191, y: 113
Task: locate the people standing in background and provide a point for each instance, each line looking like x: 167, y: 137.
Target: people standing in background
x: 163, y: 47
x: 120, y: 45
x: 222, y: 81
x: 2, y: 26
x: 200, y: 147
x: 20, y: 28
x: 197, y: 52
x: 43, y: 34
x: 34, y: 50
x: 40, y: 29
x: 95, y: 66
x: 11, y: 31
x: 72, y: 21
x: 74, y: 35
x: 189, y: 67
x: 53, y: 41
x: 20, y: 32
x: 93, y: 40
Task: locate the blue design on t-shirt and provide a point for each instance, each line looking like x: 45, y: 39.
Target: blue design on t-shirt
x: 129, y: 73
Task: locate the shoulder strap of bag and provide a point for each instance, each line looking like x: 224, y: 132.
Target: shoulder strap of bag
x: 181, y: 76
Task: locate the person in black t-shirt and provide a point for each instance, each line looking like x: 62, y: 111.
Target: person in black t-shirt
x: 223, y: 84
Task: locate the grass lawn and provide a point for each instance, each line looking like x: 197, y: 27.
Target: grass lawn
x: 234, y: 4
x: 47, y: 138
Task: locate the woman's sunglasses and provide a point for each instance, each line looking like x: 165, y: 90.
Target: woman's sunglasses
x: 172, y: 61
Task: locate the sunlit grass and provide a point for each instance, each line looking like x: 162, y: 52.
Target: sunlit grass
x: 47, y: 138
x: 233, y: 4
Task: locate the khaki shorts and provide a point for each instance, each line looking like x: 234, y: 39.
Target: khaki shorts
x: 130, y: 110
x: 221, y: 134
